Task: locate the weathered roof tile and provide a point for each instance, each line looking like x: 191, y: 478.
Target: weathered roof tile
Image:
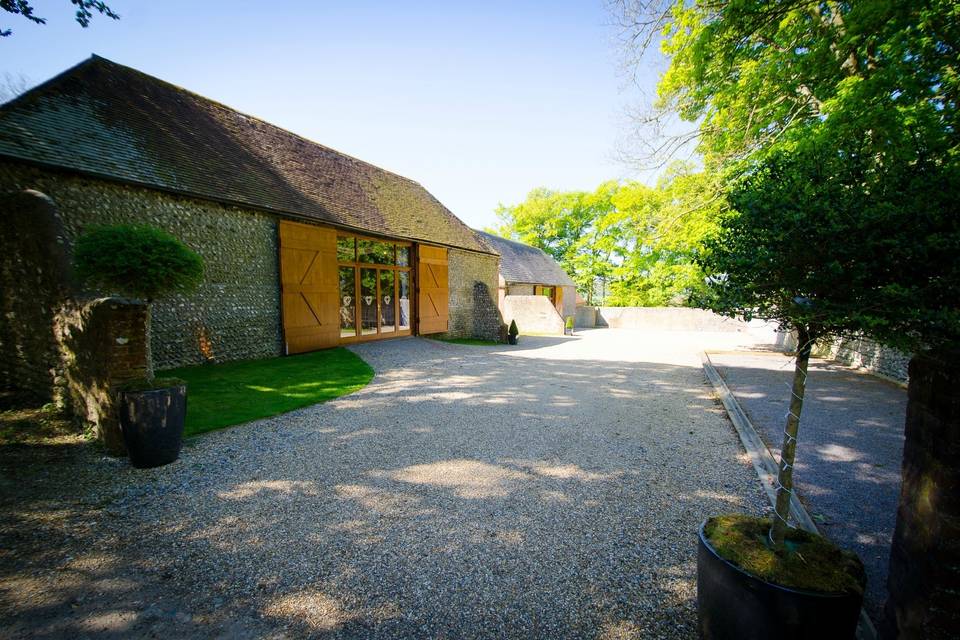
x: 104, y: 119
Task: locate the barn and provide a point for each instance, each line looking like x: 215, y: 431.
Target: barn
x: 305, y: 247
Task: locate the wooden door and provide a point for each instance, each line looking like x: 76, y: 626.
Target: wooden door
x: 433, y: 290
x: 309, y: 287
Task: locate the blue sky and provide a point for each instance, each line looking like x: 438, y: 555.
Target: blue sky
x: 478, y: 103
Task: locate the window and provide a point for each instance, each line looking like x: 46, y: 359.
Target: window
x: 375, y: 287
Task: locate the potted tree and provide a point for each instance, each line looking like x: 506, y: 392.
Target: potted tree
x: 782, y: 252
x: 513, y: 332
x: 568, y: 326
x: 143, y: 262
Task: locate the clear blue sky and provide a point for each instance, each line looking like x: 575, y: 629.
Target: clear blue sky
x: 478, y: 103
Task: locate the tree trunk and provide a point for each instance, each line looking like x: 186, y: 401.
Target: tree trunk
x: 789, y: 449
x: 924, y: 577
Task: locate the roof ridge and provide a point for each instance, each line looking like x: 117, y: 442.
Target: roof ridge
x: 94, y: 57
x: 510, y: 240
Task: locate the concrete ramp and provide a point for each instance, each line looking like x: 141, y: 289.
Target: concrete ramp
x: 534, y: 314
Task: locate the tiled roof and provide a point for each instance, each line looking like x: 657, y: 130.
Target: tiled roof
x: 525, y: 264
x: 107, y: 120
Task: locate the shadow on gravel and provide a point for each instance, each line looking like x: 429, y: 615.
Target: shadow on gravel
x: 462, y: 493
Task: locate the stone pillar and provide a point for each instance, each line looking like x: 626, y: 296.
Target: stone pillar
x: 103, y: 343
x: 924, y: 579
x: 34, y: 282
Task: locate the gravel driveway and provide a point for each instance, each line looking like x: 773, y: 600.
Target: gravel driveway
x: 551, y: 489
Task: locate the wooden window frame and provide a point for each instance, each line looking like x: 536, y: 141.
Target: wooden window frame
x: 357, y: 266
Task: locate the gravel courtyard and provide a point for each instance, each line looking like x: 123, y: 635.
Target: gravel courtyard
x: 551, y: 489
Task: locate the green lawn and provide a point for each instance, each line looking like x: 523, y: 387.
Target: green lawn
x: 220, y: 395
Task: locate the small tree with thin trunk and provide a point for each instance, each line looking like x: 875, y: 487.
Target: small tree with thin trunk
x: 828, y: 243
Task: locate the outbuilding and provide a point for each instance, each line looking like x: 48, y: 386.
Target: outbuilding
x: 305, y: 247
x: 533, y: 288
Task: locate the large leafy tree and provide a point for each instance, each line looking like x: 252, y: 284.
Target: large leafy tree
x: 827, y: 244
x: 838, y: 124
x: 638, y: 239
x: 83, y: 14
x: 565, y: 225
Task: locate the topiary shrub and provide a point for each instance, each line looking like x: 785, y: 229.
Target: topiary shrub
x: 569, y: 324
x: 138, y: 261
x: 513, y: 332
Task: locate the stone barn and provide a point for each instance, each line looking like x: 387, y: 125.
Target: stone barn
x: 305, y: 247
x: 533, y: 288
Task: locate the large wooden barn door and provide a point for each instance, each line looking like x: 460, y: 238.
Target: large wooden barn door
x: 308, y: 282
x: 433, y: 289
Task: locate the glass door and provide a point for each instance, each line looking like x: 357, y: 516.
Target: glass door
x: 375, y: 288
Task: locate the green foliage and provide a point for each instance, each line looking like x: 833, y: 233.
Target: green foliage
x: 513, y: 329
x: 569, y: 322
x: 815, y: 563
x: 137, y: 261
x: 823, y: 240
x: 82, y: 15
x: 639, y: 239
x: 221, y: 395
x: 757, y: 74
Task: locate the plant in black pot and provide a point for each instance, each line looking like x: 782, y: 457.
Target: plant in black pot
x: 143, y: 262
x: 783, y: 252
x: 513, y: 332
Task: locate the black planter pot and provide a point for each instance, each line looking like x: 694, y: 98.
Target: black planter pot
x: 512, y: 339
x: 732, y: 604
x: 152, y: 424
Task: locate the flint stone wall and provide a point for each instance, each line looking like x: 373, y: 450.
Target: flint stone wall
x: 473, y: 282
x: 235, y: 314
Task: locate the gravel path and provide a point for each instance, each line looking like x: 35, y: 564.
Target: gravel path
x: 849, y: 452
x: 547, y: 490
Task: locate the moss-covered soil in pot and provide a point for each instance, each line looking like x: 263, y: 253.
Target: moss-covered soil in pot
x: 810, y: 563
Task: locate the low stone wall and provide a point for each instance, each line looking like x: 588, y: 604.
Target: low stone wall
x: 533, y: 314
x: 473, y: 282
x: 869, y: 355
x: 585, y: 317
x: 666, y: 319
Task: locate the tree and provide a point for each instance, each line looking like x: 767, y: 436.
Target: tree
x: 12, y: 86
x: 827, y: 244
x: 563, y: 224
x: 799, y: 80
x: 638, y: 238
x: 755, y: 74
x: 83, y: 15
x: 659, y: 229
x: 137, y: 261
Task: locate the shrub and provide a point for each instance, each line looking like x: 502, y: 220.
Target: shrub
x: 569, y: 323
x: 513, y: 329
x: 138, y: 261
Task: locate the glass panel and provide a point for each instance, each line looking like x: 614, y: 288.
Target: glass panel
x: 368, y: 301
x: 388, y: 303
x: 374, y: 252
x: 348, y: 302
x: 403, y: 256
x: 345, y: 249
x: 403, y: 286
